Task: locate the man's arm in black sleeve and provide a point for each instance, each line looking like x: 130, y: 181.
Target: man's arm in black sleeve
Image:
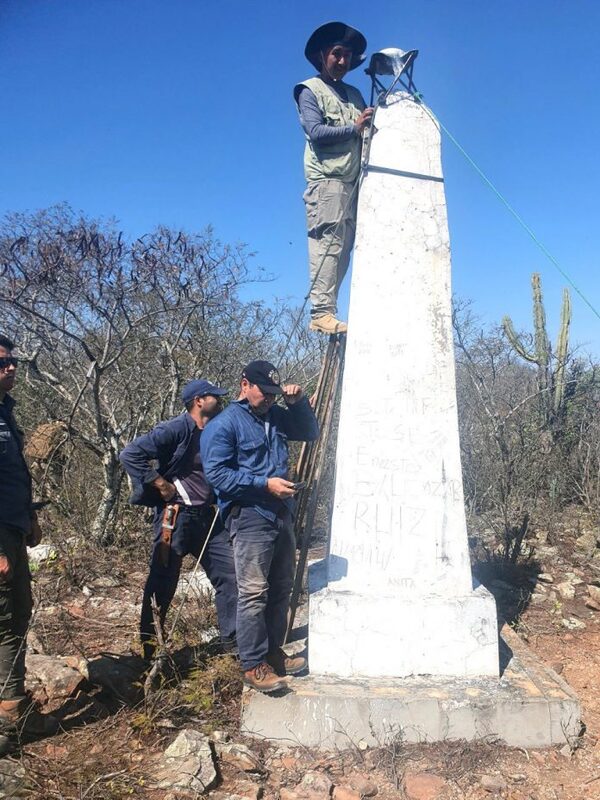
x: 136, y: 457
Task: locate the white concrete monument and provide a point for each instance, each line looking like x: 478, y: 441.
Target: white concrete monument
x: 399, y: 598
x: 400, y: 642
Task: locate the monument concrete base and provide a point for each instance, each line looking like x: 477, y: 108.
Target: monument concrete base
x: 528, y: 706
x: 400, y: 633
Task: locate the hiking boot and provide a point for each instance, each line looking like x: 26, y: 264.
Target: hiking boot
x: 327, y: 323
x: 284, y: 664
x: 263, y: 679
x: 21, y: 718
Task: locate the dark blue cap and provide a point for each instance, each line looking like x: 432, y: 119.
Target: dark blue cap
x: 264, y: 375
x: 200, y: 388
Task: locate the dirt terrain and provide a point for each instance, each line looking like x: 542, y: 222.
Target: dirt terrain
x: 114, y: 741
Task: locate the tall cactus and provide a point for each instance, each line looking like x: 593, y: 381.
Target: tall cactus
x: 562, y: 352
x: 551, y: 381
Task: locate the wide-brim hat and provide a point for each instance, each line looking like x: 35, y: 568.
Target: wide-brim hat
x: 335, y: 33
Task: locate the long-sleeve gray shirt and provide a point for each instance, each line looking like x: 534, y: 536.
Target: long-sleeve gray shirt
x: 313, y: 121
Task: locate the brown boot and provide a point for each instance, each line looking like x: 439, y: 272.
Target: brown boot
x: 327, y: 323
x: 284, y: 664
x: 263, y: 679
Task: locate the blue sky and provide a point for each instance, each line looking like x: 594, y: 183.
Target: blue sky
x: 180, y: 112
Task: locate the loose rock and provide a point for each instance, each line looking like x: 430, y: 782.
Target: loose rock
x: 363, y: 785
x: 315, y: 782
x: 587, y: 542
x: 105, y: 582
x: 194, y: 584
x: 423, y: 785
x: 538, y: 598
x: 220, y: 736
x: 34, y: 644
x: 573, y: 624
x: 345, y: 793
x: 594, y: 592
x: 289, y: 794
x: 241, y: 791
x: 545, y: 577
x: 40, y: 553
x: 566, y: 590
x: 238, y: 755
x: 493, y: 783
x: 187, y: 764
x: 52, y: 676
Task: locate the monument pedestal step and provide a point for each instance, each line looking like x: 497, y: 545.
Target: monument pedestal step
x: 528, y: 706
x: 400, y: 633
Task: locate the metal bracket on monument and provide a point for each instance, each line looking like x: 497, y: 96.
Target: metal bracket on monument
x: 390, y: 61
x: 395, y: 62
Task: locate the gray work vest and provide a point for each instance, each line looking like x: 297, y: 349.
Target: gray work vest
x: 340, y: 160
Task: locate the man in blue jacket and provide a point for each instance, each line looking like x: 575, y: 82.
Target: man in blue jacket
x: 184, y: 512
x: 245, y: 456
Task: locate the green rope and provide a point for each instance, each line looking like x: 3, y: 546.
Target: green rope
x: 418, y: 97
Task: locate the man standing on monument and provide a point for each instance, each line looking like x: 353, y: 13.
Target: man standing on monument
x: 245, y: 456
x: 333, y: 116
x: 183, y: 511
x: 19, y: 529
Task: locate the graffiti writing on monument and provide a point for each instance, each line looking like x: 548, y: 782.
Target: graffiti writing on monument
x: 392, y: 503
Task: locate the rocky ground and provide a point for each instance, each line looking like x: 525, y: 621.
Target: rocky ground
x: 182, y: 741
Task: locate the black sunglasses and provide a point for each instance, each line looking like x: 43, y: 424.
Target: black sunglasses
x: 8, y: 361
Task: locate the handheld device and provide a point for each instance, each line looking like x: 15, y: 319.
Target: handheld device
x: 297, y: 486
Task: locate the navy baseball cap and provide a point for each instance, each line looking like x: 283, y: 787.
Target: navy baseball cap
x: 264, y: 375
x: 200, y: 388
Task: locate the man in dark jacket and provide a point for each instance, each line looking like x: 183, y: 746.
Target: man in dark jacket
x: 245, y: 456
x: 184, y: 514
x: 18, y: 529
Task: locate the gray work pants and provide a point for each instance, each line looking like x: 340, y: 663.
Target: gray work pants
x: 15, y: 613
x: 331, y: 220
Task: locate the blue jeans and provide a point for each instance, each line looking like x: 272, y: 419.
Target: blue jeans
x: 191, y: 529
x: 265, y: 559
